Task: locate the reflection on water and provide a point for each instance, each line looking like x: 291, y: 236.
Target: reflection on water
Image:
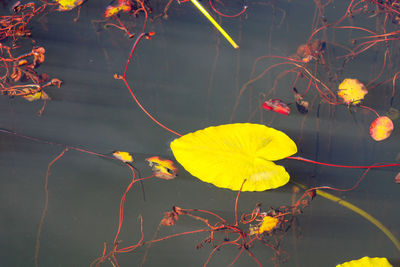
x: 189, y: 78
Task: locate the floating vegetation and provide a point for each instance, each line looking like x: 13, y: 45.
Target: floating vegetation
x: 352, y: 91
x: 163, y: 168
x: 249, y: 151
x: 228, y: 154
x: 123, y: 156
x: 381, y: 128
x: 367, y: 262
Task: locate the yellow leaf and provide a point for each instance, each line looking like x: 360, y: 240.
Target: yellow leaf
x: 226, y: 155
x: 268, y: 224
x: 114, y: 10
x: 67, y: 5
x: 381, y: 128
x: 123, y: 156
x: 32, y: 96
x: 163, y: 168
x: 366, y: 262
x: 352, y: 91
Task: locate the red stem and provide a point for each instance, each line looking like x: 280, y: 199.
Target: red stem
x: 345, y: 166
x: 224, y: 15
x: 133, y: 49
x: 130, y: 89
x: 370, y: 109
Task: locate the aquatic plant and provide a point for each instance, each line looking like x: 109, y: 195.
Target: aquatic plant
x: 163, y: 168
x: 228, y: 154
x: 236, y: 156
x: 366, y: 262
x: 381, y: 128
x: 266, y: 227
x: 67, y: 5
x: 352, y: 91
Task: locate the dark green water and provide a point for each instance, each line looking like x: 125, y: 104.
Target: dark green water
x: 173, y: 76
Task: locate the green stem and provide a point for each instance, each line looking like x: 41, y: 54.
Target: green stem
x: 357, y: 210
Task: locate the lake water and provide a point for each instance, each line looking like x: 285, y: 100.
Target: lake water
x: 189, y: 77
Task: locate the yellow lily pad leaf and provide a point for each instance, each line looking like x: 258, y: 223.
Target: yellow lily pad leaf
x: 352, y: 91
x: 366, y: 262
x: 123, y: 156
x: 226, y: 155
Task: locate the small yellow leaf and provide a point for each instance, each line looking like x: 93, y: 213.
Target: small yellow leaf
x: 163, y: 168
x: 67, y: 5
x: 123, y: 156
x: 268, y: 224
x: 114, y: 10
x: 33, y: 96
x: 352, y: 91
x: 381, y: 128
